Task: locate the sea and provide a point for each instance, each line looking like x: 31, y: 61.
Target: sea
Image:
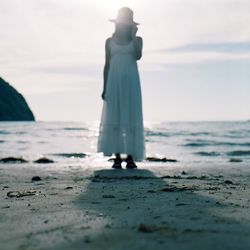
x: 76, y: 142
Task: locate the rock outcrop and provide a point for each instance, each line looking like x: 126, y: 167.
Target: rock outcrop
x: 13, y: 106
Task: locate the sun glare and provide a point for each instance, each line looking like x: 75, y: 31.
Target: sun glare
x: 111, y: 6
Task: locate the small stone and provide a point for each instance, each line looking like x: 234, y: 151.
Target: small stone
x: 164, y: 159
x: 7, y: 206
x: 151, y: 191
x: 14, y: 194
x: 235, y: 160
x: 53, y: 193
x: 204, y: 177
x: 36, y: 178
x: 13, y: 160
x: 145, y: 228
x: 154, y: 228
x: 108, y: 196
x: 43, y: 160
x: 21, y: 194
x: 192, y: 177
x: 180, y: 204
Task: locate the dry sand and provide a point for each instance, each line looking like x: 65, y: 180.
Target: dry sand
x: 157, y: 207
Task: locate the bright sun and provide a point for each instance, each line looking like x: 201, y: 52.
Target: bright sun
x: 111, y: 6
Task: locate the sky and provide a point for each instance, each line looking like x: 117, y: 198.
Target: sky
x: 195, y: 63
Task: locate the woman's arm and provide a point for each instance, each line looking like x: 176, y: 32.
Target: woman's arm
x: 106, y: 67
x: 138, y: 43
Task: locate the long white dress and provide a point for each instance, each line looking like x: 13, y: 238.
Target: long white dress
x: 121, y: 128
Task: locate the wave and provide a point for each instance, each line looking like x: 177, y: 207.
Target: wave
x: 245, y: 131
x: 179, y: 133
x: 196, y: 144
x: 200, y: 133
x: 20, y: 133
x: 22, y: 142
x: 71, y: 155
x: 2, y: 132
x: 237, y: 134
x: 75, y: 128
x: 203, y: 143
x: 68, y: 129
x: 203, y: 153
x: 239, y: 153
x: 154, y: 133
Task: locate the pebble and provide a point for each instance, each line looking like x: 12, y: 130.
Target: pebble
x: 13, y: 160
x: 43, y: 160
x: 235, y: 160
x: 36, y: 178
x: 108, y: 196
x: 228, y: 182
x: 21, y: 193
x: 164, y: 159
x: 7, y: 206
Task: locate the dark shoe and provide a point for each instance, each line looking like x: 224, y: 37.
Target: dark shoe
x: 130, y: 164
x: 117, y: 164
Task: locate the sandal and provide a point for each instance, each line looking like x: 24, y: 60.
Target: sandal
x: 130, y: 164
x: 117, y: 163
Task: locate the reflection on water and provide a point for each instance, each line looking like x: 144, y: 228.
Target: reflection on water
x: 76, y: 142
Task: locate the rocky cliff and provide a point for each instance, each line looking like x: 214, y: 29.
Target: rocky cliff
x: 13, y: 106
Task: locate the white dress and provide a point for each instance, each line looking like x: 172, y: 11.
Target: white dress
x: 121, y: 127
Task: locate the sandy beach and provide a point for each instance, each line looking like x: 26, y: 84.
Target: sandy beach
x: 164, y: 84
x: 154, y: 207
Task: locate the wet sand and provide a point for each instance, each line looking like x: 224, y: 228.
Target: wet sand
x: 153, y: 207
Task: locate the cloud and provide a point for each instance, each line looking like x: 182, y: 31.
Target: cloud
x: 74, y: 70
x: 226, y: 47
x: 195, y: 53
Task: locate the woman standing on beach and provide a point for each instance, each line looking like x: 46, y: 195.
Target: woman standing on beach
x: 121, y: 128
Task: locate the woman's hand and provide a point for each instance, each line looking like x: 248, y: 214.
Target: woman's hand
x: 134, y: 30
x: 103, y: 96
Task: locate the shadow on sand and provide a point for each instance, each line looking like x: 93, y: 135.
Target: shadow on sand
x: 135, y: 209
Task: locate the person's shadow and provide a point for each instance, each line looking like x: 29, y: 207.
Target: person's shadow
x: 136, y: 209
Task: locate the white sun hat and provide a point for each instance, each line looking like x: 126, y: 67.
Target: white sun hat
x: 125, y: 16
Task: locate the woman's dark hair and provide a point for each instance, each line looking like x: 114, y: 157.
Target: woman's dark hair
x: 123, y: 28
